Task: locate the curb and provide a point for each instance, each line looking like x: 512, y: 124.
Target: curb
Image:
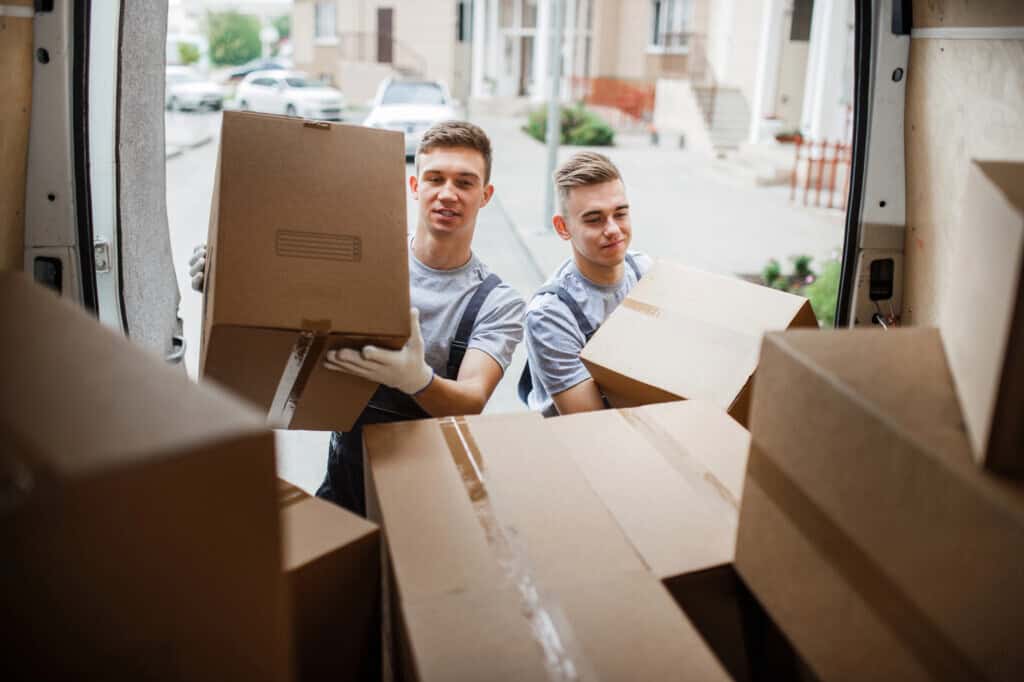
x: 172, y: 151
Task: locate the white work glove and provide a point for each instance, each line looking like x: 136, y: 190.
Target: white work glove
x: 197, y: 267
x: 403, y: 369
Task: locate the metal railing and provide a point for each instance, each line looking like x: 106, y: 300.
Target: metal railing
x: 821, y: 167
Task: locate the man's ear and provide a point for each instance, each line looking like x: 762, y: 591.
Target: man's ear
x: 414, y: 187
x: 561, y: 229
x: 488, y: 193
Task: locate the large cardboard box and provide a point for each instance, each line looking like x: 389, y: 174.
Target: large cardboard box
x: 672, y: 474
x: 332, y: 561
x: 866, y: 529
x: 683, y: 333
x: 139, y: 518
x: 983, y: 313
x: 307, y: 252
x: 503, y: 563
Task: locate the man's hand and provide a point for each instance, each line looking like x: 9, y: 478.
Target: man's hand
x: 403, y: 369
x: 197, y: 267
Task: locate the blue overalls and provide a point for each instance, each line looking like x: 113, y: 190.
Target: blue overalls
x: 525, y: 385
x: 343, y: 483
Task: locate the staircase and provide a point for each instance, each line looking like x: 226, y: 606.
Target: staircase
x: 726, y: 115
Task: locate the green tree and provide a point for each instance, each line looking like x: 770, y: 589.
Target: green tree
x: 188, y: 53
x: 234, y: 37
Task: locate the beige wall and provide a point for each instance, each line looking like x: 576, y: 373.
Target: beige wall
x: 789, y: 99
x: 965, y: 100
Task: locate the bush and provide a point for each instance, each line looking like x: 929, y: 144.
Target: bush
x: 234, y: 38
x: 188, y: 53
x: 824, y: 293
x: 579, y: 127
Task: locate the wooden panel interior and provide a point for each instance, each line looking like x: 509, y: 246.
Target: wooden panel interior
x: 965, y: 100
x: 15, y: 106
x: 964, y: 13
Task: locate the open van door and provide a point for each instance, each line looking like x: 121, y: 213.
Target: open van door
x: 95, y: 207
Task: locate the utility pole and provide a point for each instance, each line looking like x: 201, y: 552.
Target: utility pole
x: 554, y: 124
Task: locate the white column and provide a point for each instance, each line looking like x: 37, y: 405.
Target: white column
x: 722, y: 37
x: 479, y: 52
x: 823, y: 95
x: 541, y: 48
x: 766, y: 84
x: 568, y: 49
x: 493, y: 47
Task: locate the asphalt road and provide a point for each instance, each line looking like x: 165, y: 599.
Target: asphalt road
x: 190, y: 176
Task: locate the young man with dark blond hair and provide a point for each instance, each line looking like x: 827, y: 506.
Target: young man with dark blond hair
x: 593, y: 216
x: 466, y: 321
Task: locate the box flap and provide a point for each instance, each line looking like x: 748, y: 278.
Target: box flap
x: 689, y: 334
x: 312, y: 528
x: 983, y: 307
x: 114, y: 403
x: 311, y: 227
x: 670, y: 504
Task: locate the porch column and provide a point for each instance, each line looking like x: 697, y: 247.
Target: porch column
x: 479, y: 52
x: 766, y: 84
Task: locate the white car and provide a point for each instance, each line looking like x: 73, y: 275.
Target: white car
x: 291, y: 93
x: 186, y: 89
x: 411, y: 106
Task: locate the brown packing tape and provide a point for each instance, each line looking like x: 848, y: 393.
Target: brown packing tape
x: 563, y: 657
x: 927, y: 644
x: 640, y: 307
x: 301, y: 362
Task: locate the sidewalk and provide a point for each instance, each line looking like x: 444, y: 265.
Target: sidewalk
x: 684, y: 206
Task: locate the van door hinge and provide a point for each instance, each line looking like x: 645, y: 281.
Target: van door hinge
x: 101, y: 255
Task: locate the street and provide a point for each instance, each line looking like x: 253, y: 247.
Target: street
x: 190, y: 176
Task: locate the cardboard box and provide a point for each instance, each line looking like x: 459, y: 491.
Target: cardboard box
x: 307, y: 252
x: 682, y: 333
x: 475, y: 523
x: 865, y: 528
x: 332, y: 561
x: 139, y: 520
x: 672, y: 474
x: 982, y: 317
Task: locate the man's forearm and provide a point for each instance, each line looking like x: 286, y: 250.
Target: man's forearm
x: 446, y: 398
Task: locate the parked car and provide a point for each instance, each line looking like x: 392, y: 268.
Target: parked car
x: 187, y: 90
x: 411, y: 106
x: 276, y: 64
x: 291, y: 93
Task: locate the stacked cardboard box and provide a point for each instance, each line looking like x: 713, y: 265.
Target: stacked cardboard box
x: 682, y: 333
x: 307, y: 252
x: 865, y: 528
x: 332, y: 562
x: 983, y: 314
x: 505, y: 564
x: 139, y: 522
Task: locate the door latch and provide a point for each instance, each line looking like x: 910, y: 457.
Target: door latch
x: 101, y: 255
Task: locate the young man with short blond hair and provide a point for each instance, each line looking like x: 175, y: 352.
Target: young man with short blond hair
x: 593, y: 216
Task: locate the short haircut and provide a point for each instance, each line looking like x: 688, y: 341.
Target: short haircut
x: 449, y: 134
x: 581, y: 170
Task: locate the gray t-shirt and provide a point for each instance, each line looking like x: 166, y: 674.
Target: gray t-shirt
x: 554, y: 340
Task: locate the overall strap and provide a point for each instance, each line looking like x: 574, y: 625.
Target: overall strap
x: 460, y: 343
x: 525, y: 384
x: 634, y: 266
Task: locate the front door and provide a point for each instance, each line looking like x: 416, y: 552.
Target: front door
x: 385, y: 23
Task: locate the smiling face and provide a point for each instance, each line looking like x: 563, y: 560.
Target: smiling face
x: 595, y: 219
x: 451, y: 188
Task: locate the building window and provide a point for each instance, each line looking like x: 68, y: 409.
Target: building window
x: 670, y: 25
x: 324, y: 21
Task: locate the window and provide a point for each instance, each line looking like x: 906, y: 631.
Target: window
x: 464, y: 22
x: 670, y: 24
x: 409, y: 92
x: 324, y: 21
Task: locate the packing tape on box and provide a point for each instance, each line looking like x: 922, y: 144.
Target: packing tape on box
x: 563, y: 657
x: 302, y: 359
x: 641, y: 307
x: 927, y: 643
x: 698, y: 477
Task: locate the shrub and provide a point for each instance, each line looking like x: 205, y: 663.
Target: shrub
x: 771, y: 272
x: 234, y: 38
x: 824, y: 293
x: 579, y: 127
x: 188, y: 53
